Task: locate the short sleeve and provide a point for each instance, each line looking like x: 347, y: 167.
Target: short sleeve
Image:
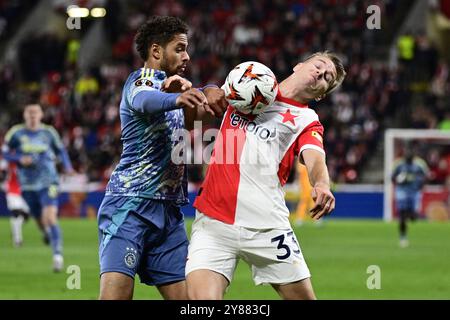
x: 138, y: 86
x: 310, y: 138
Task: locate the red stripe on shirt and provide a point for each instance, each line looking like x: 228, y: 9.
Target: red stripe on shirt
x: 305, y: 137
x: 12, y: 184
x: 217, y: 196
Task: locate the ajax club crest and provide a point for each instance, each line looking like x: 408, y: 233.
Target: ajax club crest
x: 130, y: 258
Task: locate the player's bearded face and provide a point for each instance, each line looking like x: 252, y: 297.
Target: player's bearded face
x: 175, y: 57
x: 315, y: 76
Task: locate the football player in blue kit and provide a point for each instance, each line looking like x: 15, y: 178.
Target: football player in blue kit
x: 35, y: 147
x: 409, y: 176
x: 141, y: 226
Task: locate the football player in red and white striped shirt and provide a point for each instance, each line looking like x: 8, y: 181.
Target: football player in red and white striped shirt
x: 241, y: 211
x: 15, y: 203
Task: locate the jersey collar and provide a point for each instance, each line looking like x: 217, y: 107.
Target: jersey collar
x: 292, y: 102
x: 152, y: 73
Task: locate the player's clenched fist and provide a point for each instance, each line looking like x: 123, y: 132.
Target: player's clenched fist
x: 216, y: 101
x: 323, y: 201
x: 191, y: 98
x: 26, y: 161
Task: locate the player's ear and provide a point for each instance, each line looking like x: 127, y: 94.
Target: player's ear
x: 320, y: 97
x: 155, y: 51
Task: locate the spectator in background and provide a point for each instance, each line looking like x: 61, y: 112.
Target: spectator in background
x: 406, y: 47
x: 444, y: 124
x: 305, y: 201
x: 73, y: 50
x: 86, y: 84
x: 425, y: 59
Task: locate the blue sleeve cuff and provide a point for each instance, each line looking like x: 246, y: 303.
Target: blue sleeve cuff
x: 11, y: 157
x: 208, y: 86
x: 66, y: 161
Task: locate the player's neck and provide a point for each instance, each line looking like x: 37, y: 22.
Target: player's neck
x: 149, y: 64
x: 292, y: 92
x: 33, y: 127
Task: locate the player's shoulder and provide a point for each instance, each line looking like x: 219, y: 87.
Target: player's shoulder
x: 398, y: 162
x: 420, y: 162
x: 13, y: 130
x: 146, y: 77
x: 49, y: 128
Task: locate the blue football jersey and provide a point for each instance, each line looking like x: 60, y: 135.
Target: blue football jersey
x: 145, y: 168
x: 43, y: 145
x: 410, y: 177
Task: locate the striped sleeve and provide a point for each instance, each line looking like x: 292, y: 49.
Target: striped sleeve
x: 59, y: 148
x: 311, y: 138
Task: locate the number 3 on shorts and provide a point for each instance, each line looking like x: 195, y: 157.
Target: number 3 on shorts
x: 284, y: 246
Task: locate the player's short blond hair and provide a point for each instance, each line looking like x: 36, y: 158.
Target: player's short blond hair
x: 340, y: 71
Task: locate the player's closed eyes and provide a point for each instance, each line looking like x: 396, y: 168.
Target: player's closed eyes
x: 326, y: 76
x: 318, y: 68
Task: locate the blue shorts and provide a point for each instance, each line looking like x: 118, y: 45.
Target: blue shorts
x: 142, y: 236
x: 37, y: 200
x: 408, y: 200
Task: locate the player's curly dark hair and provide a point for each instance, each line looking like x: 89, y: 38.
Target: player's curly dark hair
x: 160, y: 30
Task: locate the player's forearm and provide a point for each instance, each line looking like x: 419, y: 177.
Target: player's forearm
x: 318, y: 174
x: 10, y: 155
x: 190, y: 115
x: 155, y: 101
x: 67, y: 164
x: 317, y: 168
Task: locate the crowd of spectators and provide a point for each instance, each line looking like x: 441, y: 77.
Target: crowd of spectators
x: 10, y: 11
x: 83, y: 105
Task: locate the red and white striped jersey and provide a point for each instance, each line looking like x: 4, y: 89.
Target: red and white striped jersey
x: 252, y: 160
x: 12, y: 185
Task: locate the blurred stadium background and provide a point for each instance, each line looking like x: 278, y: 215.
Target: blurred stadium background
x: 398, y: 77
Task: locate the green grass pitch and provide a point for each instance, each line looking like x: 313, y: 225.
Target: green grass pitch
x: 338, y: 254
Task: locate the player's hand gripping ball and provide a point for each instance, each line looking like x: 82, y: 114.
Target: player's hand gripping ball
x: 250, y: 87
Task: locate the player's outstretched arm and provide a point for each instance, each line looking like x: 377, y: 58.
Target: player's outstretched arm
x: 60, y: 150
x: 10, y: 152
x: 10, y: 155
x: 319, y: 178
x: 23, y: 160
x: 153, y: 101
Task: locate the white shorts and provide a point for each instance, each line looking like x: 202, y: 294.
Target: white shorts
x: 16, y: 202
x: 273, y: 254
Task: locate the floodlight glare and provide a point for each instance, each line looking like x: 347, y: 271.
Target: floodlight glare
x: 77, y: 12
x: 98, y: 12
